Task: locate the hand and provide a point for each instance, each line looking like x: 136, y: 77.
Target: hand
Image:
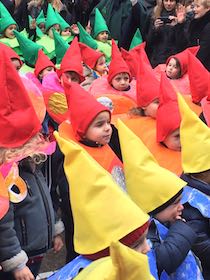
x: 158, y: 22
x: 23, y: 274
x: 180, y: 218
x: 173, y: 20
x: 180, y: 13
x: 58, y: 243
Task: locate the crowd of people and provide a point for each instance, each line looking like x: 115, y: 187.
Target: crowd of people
x: 104, y: 119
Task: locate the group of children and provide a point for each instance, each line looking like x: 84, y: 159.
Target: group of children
x: 120, y: 184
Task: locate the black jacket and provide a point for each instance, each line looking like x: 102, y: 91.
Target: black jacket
x: 200, y: 224
x: 171, y: 252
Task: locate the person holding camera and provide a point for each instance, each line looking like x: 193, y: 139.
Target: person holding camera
x: 163, y: 39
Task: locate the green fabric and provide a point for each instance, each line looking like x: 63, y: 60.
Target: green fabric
x: 100, y: 24
x: 5, y: 22
x: 40, y: 18
x: 48, y: 44
x: 25, y: 69
x: 106, y: 49
x: 39, y: 32
x: 86, y: 38
x: 62, y: 22
x: 3, y: 11
x: 137, y: 39
x: 68, y: 39
x: 51, y: 17
x: 60, y: 45
x: 12, y: 43
x: 29, y: 48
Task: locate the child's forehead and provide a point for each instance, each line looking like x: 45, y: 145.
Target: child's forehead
x: 121, y: 75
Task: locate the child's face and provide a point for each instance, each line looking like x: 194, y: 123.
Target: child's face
x: 66, y: 32
x: 172, y: 213
x: 16, y: 63
x: 46, y: 71
x: 121, y: 81
x: 50, y: 31
x: 200, y: 9
x: 141, y: 245
x: 101, y: 66
x: 172, y: 69
x: 42, y: 26
x: 169, y: 5
x: 72, y: 76
x: 151, y: 109
x: 9, y: 31
x: 100, y: 129
x: 103, y: 36
x: 172, y: 141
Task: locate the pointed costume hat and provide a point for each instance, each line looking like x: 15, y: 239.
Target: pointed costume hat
x: 147, y: 86
x: 61, y: 46
x: 99, y: 24
x: 168, y: 107
x: 102, y: 212
x: 123, y: 264
x: 40, y: 18
x: 63, y: 24
x: 205, y: 104
x: 198, y: 77
x: 51, y: 18
x: 151, y: 186
x: 118, y: 64
x: 86, y: 38
x: 5, y: 18
x: 10, y: 52
x: 137, y: 39
x: 42, y: 63
x: 72, y: 60
x: 89, y: 56
x: 195, y: 140
x: 18, y: 120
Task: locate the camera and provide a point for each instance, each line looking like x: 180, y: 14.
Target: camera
x: 165, y: 19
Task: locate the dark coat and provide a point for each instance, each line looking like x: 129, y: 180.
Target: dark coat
x: 200, y: 224
x: 171, y: 252
x: 28, y: 225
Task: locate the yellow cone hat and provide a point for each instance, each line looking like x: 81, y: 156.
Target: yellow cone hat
x: 195, y: 140
x: 148, y: 184
x: 124, y: 264
x: 102, y: 212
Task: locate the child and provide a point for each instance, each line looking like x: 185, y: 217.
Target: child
x: 195, y: 162
x: 40, y: 21
x: 119, y: 79
x: 158, y: 192
x: 16, y: 61
x: 101, y: 35
x: 28, y: 227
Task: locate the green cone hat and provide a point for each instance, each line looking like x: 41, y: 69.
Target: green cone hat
x: 61, y: 46
x: 3, y: 11
x: 86, y: 38
x: 6, y: 19
x: 51, y: 17
x: 137, y: 39
x: 62, y: 22
x: 40, y: 18
x: 99, y: 24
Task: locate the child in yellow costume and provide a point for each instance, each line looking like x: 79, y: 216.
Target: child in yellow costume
x: 158, y: 192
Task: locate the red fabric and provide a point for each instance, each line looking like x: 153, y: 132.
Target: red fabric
x: 205, y: 104
x: 168, y: 117
x: 10, y: 53
x: 147, y: 86
x: 198, y: 77
x: 42, y: 63
x: 18, y: 120
x: 89, y: 55
x: 72, y: 60
x: 128, y: 240
x: 118, y: 64
x: 83, y: 108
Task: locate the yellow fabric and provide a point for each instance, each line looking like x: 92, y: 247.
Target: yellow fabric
x: 58, y: 103
x: 148, y: 184
x: 124, y: 264
x: 195, y: 140
x: 102, y: 212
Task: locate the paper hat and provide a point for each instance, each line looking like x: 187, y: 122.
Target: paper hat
x: 118, y: 64
x: 123, y: 264
x: 147, y: 86
x: 61, y: 46
x: 195, y: 140
x: 84, y: 108
x: 168, y: 107
x: 149, y: 185
x: 42, y: 63
x: 72, y: 60
x: 102, y: 212
x: 89, y: 56
x: 86, y: 38
x: 198, y: 77
x: 51, y: 18
x: 29, y: 48
x: 137, y: 39
x: 99, y: 24
x: 18, y: 119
